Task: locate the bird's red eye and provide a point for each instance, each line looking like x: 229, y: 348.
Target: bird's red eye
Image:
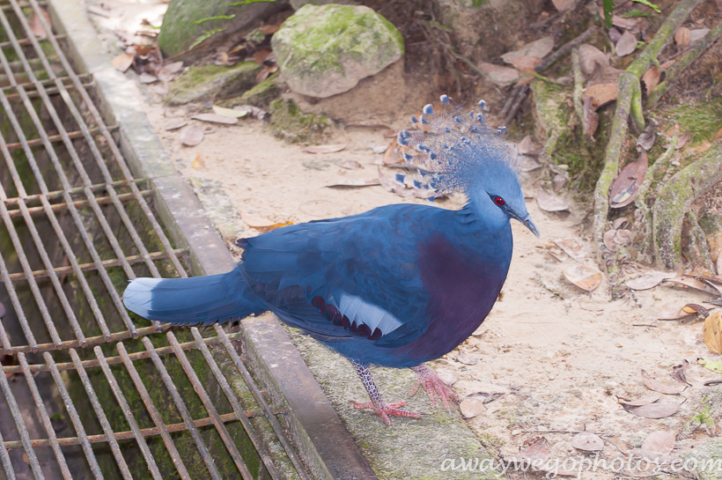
x: 499, y: 201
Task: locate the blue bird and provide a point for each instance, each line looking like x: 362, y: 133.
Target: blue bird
x: 396, y: 286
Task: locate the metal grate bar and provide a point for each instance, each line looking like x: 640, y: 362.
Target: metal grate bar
x: 183, y: 409
x: 131, y: 259
x: 70, y: 181
x: 40, y: 406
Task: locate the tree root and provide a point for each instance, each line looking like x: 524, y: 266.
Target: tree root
x: 629, y: 100
x: 682, y: 63
x: 675, y: 201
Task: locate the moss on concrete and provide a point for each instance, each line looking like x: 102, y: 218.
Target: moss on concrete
x: 291, y: 124
x: 210, y: 82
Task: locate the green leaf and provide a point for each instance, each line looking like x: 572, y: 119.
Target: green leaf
x: 247, y: 2
x: 217, y: 17
x: 205, y: 37
x: 635, y: 14
x: 713, y: 365
x: 649, y: 4
x: 608, y: 6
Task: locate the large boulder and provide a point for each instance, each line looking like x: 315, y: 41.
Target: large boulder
x: 188, y: 21
x: 297, y: 4
x: 326, y: 50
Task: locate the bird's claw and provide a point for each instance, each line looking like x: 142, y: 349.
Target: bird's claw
x: 434, y: 387
x: 383, y: 410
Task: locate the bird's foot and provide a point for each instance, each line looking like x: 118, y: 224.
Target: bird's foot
x: 384, y: 409
x: 433, y: 386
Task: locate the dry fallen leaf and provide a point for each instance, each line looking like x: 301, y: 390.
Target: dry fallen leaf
x: 588, y: 442
x: 627, y: 44
x: 646, y: 400
x: 198, y: 162
x: 590, y: 117
x: 668, y: 388
x: 172, y: 68
x: 697, y: 34
x: 351, y: 165
x: 175, y: 124
x: 471, y: 407
x: 691, y: 282
x: 651, y: 78
x: 646, y: 139
x: 625, y: 23
x: 528, y: 164
x: 712, y: 365
x: 679, y: 372
x: 649, y: 280
x: 537, y: 49
x: 192, y: 136
x: 122, y: 62
x: 573, y: 247
x: 536, y: 449
x: 563, y: 5
x: 147, y: 78
x: 325, y: 148
x: 524, y: 62
x: 584, y: 277
x: 626, y: 186
x: 589, y: 57
x: 659, y: 444
x: 682, y: 37
x: 230, y: 112
x: 36, y: 27
x: 215, y: 118
x: 497, y: 74
x: 601, y: 94
x: 654, y: 410
x: 550, y: 202
x: 713, y: 332
x: 527, y: 147
x: 355, y: 183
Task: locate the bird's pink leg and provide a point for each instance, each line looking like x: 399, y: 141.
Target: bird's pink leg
x: 433, y: 386
x: 377, y: 404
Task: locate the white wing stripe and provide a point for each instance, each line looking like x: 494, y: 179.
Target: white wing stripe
x: 355, y: 308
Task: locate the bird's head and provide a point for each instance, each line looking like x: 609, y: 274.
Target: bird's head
x: 458, y: 153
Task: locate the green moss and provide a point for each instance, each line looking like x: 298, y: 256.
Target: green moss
x: 289, y: 123
x: 703, y: 119
x: 209, y: 82
x: 261, y: 95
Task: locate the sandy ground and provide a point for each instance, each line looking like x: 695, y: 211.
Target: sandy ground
x: 560, y: 356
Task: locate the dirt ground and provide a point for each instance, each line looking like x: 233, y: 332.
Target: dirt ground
x: 561, y: 357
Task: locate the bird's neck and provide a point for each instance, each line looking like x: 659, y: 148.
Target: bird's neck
x: 484, y: 231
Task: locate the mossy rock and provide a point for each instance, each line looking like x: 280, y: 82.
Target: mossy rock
x: 326, y: 50
x: 297, y: 4
x: 261, y: 95
x: 289, y: 123
x: 210, y: 82
x: 187, y: 22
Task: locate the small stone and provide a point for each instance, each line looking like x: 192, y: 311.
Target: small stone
x: 472, y: 407
x: 449, y: 377
x: 468, y: 359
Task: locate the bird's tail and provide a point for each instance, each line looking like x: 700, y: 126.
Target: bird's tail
x: 194, y: 300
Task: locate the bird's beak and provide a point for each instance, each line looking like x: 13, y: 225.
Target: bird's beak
x: 530, y: 225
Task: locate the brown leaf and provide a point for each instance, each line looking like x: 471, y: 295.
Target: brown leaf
x: 122, y: 62
x: 198, y: 162
x: 601, y: 93
x: 713, y: 332
x: 591, y: 118
x: 524, y: 63
x: 614, y: 35
x: 654, y: 410
x: 646, y: 400
x: 550, y: 202
x: 175, y: 124
x: 660, y: 386
x: 260, y: 56
x: 215, y: 118
x: 573, y: 247
x: 472, y: 407
x: 192, y: 136
x: 626, y: 186
x: 172, y: 68
x: 589, y: 57
x: 36, y: 27
x: 528, y: 164
x: 626, y: 44
x: 497, y: 74
x: 536, y: 449
x: 584, y: 277
x: 649, y: 280
x: 609, y: 240
x: 325, y: 148
x: 269, y: 29
x: 563, y: 5
x: 697, y: 34
x: 392, y: 156
x: 147, y: 78
x: 527, y: 147
x: 691, y: 282
x: 659, y: 444
x: 625, y: 23
x: 536, y: 49
x: 355, y: 183
x: 682, y: 36
x: 646, y: 139
x: 588, y: 442
x: 651, y: 78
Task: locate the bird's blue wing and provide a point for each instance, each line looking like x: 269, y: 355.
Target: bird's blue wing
x: 346, y: 278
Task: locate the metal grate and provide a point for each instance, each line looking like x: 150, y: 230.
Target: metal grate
x: 86, y: 393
